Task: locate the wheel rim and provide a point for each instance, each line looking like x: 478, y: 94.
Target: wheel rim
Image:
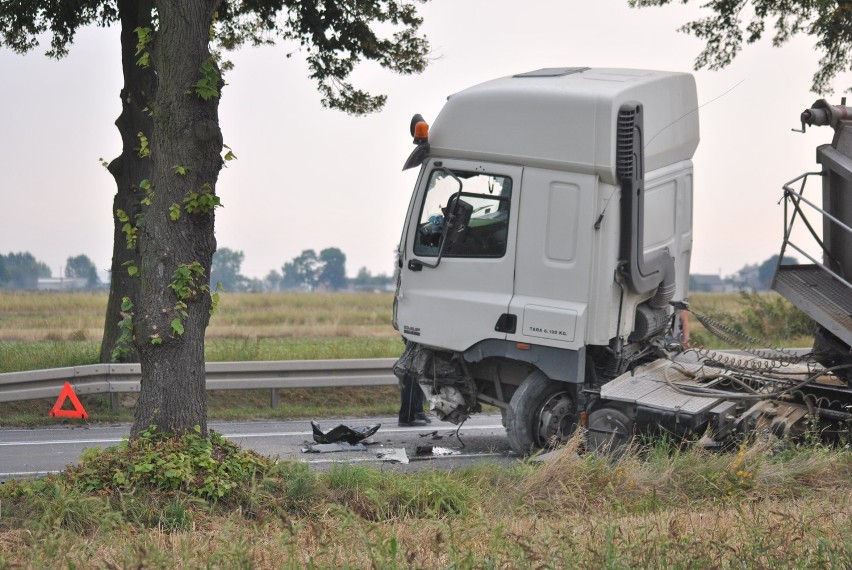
x: 555, y: 419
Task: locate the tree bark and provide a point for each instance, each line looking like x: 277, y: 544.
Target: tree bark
x: 128, y: 170
x: 186, y: 135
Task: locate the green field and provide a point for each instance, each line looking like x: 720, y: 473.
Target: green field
x: 46, y: 330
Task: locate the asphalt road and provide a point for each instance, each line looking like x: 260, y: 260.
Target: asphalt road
x: 36, y: 452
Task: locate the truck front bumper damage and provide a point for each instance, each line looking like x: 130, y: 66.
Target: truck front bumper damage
x: 443, y: 378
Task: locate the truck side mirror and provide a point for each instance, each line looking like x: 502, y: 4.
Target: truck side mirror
x: 457, y: 213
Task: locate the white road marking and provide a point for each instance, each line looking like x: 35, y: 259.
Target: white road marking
x: 60, y: 442
x: 425, y: 429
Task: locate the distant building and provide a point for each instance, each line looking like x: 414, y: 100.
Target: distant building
x: 749, y: 278
x: 62, y: 283
x: 708, y: 284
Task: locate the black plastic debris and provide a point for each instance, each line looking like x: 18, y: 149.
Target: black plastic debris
x: 424, y: 450
x: 343, y: 433
x: 432, y: 434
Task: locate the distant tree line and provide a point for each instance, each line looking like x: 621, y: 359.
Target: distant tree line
x: 23, y: 271
x: 754, y: 277
x: 308, y: 271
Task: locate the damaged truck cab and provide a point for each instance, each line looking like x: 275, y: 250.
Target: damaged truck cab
x: 547, y: 240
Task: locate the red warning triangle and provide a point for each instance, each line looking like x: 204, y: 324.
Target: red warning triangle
x: 77, y: 412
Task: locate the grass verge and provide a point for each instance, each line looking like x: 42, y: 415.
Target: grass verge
x: 188, y: 503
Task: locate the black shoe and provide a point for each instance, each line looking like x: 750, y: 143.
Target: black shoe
x: 416, y: 422
x: 423, y: 416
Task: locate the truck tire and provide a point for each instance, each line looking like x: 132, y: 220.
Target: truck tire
x: 609, y: 431
x: 542, y: 412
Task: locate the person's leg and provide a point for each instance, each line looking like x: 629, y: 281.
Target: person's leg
x: 410, y: 396
x: 417, y: 404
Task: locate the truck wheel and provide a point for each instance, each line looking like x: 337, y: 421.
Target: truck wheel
x: 541, y: 413
x: 609, y: 431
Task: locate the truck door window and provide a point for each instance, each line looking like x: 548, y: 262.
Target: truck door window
x: 486, y: 233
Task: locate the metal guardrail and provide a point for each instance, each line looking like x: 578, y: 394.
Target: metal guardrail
x: 114, y: 379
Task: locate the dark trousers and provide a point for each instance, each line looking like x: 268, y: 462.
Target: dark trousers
x: 411, y: 399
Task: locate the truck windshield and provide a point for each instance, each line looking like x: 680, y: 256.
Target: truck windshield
x: 485, y: 234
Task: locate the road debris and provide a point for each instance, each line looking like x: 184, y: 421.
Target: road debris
x: 435, y: 451
x: 343, y: 433
x: 396, y: 455
x: 433, y: 435
x: 445, y: 451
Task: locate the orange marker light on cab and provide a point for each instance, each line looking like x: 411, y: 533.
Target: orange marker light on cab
x: 421, y: 132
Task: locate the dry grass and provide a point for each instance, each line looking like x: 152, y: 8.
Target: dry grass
x: 764, y: 316
x: 49, y: 316
x: 652, y: 508
x: 647, y: 477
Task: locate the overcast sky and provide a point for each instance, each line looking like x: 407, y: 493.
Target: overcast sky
x: 307, y: 177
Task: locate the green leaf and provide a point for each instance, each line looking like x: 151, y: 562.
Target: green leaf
x: 180, y: 170
x: 143, y: 35
x: 208, y: 86
x: 143, y: 150
x: 177, y: 326
x: 174, y: 212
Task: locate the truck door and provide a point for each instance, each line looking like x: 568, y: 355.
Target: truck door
x: 453, y: 294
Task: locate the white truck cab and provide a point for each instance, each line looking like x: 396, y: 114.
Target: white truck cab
x: 547, y: 241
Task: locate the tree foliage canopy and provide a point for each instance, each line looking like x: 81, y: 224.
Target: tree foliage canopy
x: 332, y: 273
x: 307, y: 271
x: 21, y: 271
x: 82, y: 267
x: 225, y: 270
x: 334, y: 35
x: 733, y: 21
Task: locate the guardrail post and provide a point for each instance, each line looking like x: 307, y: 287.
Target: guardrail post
x: 273, y: 398
x: 114, y: 403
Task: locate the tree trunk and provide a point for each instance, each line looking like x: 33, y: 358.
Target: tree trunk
x: 128, y: 170
x: 186, y: 145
